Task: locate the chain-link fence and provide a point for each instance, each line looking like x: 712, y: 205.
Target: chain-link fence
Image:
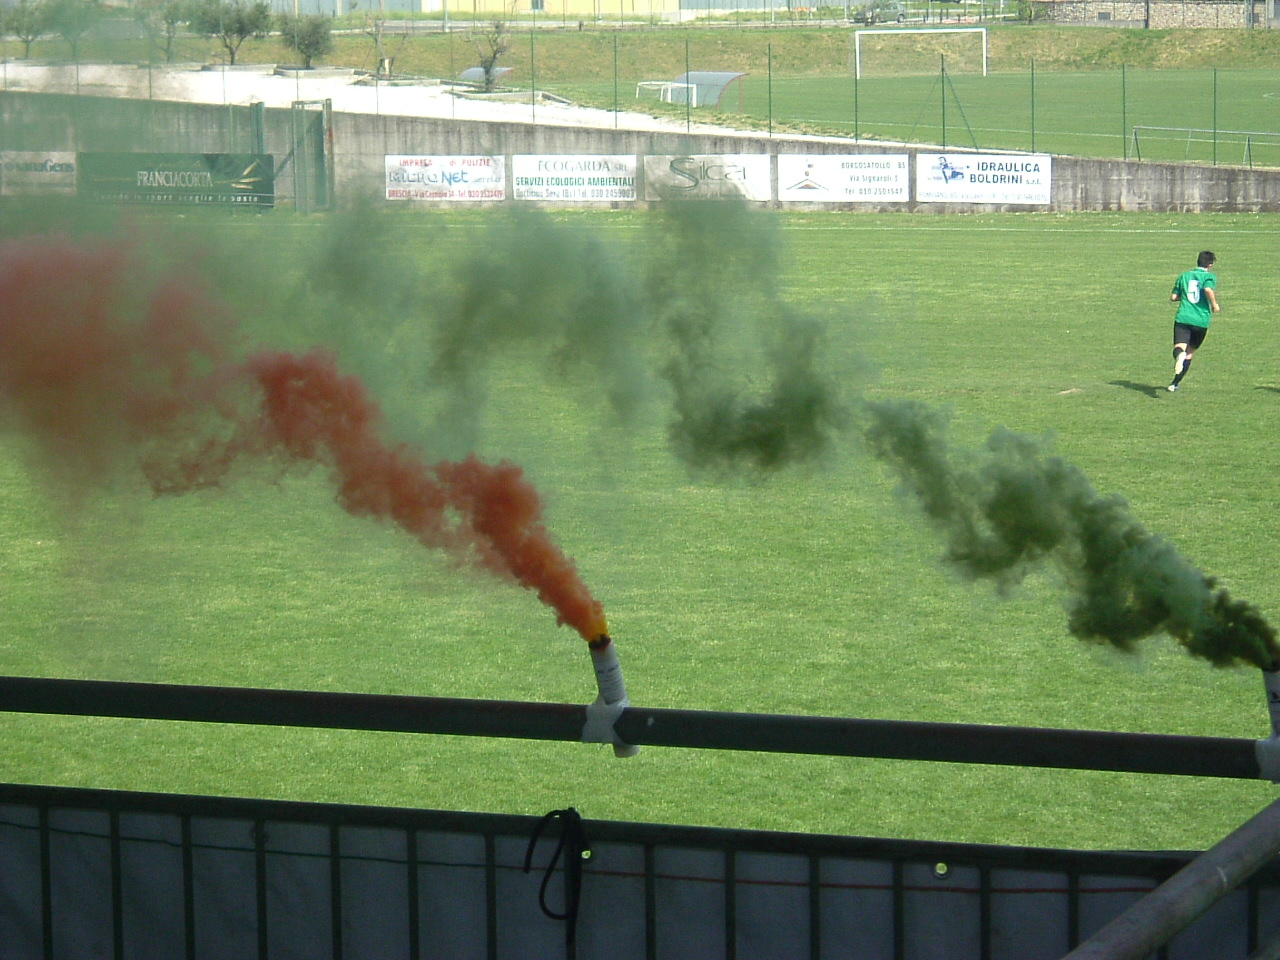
x: 923, y: 86
x: 914, y: 86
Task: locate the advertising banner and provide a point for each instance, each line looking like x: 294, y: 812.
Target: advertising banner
x: 30, y: 172
x: 707, y: 177
x: 983, y: 178
x: 847, y: 178
x: 205, y: 178
x: 446, y: 178
x: 574, y: 179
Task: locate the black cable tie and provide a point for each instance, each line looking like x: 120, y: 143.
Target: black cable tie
x: 573, y: 839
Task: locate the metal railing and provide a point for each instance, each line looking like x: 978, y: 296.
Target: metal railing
x: 126, y: 869
x: 1193, y: 756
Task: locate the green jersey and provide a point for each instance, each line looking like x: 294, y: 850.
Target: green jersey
x: 1193, y: 305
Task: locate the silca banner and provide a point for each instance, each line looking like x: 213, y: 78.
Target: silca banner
x: 707, y: 177
x: 205, y: 178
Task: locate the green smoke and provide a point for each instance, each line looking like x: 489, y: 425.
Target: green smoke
x: 684, y: 315
x: 1013, y: 505
x: 523, y: 284
x: 745, y: 367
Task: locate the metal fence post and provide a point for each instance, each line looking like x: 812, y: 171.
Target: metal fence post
x: 943, y: 85
x: 1215, y: 116
x: 1124, y: 111
x: 689, y: 91
x: 856, y: 136
x: 1033, y: 104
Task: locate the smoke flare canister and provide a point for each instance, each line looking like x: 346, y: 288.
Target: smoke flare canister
x: 1271, y: 682
x: 608, y: 706
x: 1268, y: 751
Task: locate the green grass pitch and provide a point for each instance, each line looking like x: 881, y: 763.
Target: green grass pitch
x: 813, y: 590
x: 1075, y: 113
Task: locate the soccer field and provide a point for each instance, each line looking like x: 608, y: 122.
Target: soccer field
x: 1090, y: 114
x: 813, y: 588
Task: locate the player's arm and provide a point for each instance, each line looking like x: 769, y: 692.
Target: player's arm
x: 1213, y: 299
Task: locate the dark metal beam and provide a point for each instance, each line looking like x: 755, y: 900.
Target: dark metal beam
x: 831, y: 736
x: 945, y: 742
x: 1159, y: 916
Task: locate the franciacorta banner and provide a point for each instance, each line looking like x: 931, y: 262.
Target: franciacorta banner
x: 202, y: 178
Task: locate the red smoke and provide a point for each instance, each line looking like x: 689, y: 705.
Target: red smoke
x: 94, y: 358
x: 311, y: 411
x: 100, y: 363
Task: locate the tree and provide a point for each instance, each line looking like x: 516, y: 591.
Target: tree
x: 492, y: 42
x: 877, y: 11
x: 27, y: 21
x: 72, y: 19
x: 232, y: 22
x: 373, y: 26
x: 160, y: 20
x: 310, y: 36
x: 1029, y: 10
x: 374, y: 23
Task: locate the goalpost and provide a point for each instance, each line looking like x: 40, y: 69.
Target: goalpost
x: 858, y: 34
x: 669, y: 91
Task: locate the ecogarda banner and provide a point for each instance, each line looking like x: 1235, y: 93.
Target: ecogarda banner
x: 204, y: 178
x: 37, y: 172
x: 574, y: 179
x: 983, y: 178
x: 844, y: 178
x: 707, y: 177
x: 451, y: 179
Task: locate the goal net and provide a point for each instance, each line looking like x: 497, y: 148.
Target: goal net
x: 896, y: 53
x: 668, y: 91
x: 1246, y: 148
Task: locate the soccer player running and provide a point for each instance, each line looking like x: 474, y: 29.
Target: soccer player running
x: 1197, y: 303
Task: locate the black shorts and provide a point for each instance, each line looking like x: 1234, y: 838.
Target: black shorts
x: 1191, y: 336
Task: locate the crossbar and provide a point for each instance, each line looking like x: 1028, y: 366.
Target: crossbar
x: 1150, y: 753
x: 1209, y: 130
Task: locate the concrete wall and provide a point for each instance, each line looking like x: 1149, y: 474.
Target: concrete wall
x: 57, y: 122
x: 1078, y: 183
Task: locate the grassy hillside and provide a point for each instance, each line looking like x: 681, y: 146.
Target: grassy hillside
x: 588, y: 55
x: 1072, y: 91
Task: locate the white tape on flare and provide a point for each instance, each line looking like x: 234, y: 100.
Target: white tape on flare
x: 604, y: 712
x: 1268, y: 751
